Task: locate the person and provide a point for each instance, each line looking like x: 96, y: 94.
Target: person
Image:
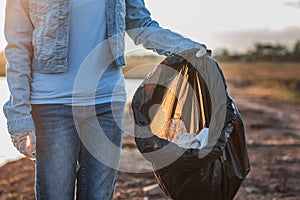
x: 67, y: 94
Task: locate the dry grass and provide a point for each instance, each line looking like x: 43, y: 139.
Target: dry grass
x: 261, y: 80
x: 139, y: 67
x: 2, y: 63
x: 269, y: 81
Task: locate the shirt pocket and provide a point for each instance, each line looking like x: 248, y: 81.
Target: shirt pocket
x: 38, y: 10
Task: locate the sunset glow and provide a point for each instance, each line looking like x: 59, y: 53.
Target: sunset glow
x: 220, y: 23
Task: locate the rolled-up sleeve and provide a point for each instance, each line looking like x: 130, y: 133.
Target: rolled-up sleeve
x: 143, y: 30
x: 18, y: 33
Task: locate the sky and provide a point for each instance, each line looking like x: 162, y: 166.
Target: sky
x: 232, y: 24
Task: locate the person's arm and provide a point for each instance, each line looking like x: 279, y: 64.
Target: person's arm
x: 143, y: 30
x: 18, y: 33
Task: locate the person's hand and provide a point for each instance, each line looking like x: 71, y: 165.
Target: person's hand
x: 25, y: 142
x: 201, y: 52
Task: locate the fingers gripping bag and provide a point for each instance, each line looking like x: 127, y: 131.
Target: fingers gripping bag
x: 190, y: 129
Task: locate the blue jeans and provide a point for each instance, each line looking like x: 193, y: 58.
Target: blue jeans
x: 77, y: 144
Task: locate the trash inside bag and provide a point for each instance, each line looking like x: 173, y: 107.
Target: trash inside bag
x: 190, y: 129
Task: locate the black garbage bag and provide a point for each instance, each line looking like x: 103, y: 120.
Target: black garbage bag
x: 191, y: 91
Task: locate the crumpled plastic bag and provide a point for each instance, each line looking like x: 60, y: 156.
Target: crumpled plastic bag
x: 177, y: 134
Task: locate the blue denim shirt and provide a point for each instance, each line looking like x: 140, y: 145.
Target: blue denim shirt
x: 37, y: 34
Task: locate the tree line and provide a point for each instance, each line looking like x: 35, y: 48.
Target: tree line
x: 263, y: 52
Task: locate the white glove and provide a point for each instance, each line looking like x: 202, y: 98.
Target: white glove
x: 201, y: 52
x: 25, y: 142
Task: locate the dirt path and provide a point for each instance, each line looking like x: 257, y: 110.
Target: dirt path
x: 273, y: 136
